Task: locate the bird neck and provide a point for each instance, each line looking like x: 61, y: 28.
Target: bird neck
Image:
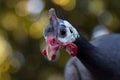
x: 87, y: 53
x: 92, y: 57
x: 83, y: 45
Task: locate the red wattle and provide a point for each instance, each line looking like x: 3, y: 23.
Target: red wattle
x: 71, y: 48
x: 53, y: 42
x: 53, y: 57
x: 44, y: 52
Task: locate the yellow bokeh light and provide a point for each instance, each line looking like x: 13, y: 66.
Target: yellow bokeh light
x: 114, y: 25
x: 37, y: 28
x: 21, y: 8
x: 20, y: 35
x: 5, y: 76
x: 61, y: 2
x: 96, y: 6
x: 66, y: 4
x: 70, y: 6
x: 10, y: 21
x: 4, y: 67
x: 3, y: 34
x: 5, y: 50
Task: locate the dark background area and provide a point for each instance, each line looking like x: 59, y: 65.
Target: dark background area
x: 22, y: 23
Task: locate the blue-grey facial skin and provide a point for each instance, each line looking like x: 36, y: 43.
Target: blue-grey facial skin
x: 63, y: 31
x: 52, y: 28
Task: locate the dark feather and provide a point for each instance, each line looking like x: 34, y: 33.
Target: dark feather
x: 101, y: 57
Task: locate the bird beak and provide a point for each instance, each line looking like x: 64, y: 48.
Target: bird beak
x: 53, y: 45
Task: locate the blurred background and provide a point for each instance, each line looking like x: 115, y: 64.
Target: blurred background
x: 21, y: 33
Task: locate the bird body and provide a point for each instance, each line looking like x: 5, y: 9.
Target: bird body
x: 109, y: 51
x: 101, y: 56
x: 98, y: 59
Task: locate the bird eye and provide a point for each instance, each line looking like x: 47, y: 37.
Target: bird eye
x: 62, y: 32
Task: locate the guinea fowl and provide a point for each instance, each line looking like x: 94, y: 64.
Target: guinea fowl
x: 98, y: 59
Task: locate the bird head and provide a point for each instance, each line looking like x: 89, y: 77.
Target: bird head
x: 59, y: 34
